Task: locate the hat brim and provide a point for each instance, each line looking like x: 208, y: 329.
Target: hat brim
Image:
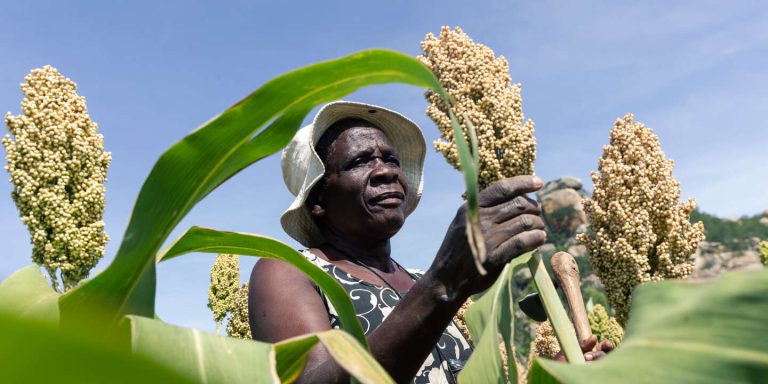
x: 302, y: 167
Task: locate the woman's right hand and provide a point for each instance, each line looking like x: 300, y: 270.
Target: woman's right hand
x: 511, y: 225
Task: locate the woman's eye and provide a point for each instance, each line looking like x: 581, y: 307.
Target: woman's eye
x: 357, y: 162
x: 393, y: 160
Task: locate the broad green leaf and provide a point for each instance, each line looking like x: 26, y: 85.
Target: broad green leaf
x: 491, y: 320
x: 199, y: 356
x: 682, y: 332
x: 198, y: 239
x: 213, y: 153
x: 556, y: 314
x: 208, y: 358
x: 27, y: 294
x: 483, y: 319
x: 292, y: 355
x: 41, y: 352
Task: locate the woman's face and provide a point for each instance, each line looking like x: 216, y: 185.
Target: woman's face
x: 364, y: 197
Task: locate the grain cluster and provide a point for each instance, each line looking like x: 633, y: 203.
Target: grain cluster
x: 639, y: 229
x: 604, y: 326
x: 227, y: 299
x: 479, y: 84
x: 58, y: 167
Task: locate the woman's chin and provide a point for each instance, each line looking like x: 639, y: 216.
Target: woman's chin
x: 389, y: 223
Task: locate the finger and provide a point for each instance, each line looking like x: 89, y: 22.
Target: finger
x: 505, y: 189
x: 500, y: 233
x: 519, y: 244
x: 589, y: 344
x: 606, y: 346
x: 509, y: 209
x: 592, y: 356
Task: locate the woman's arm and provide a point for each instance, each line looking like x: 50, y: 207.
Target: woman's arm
x: 284, y: 303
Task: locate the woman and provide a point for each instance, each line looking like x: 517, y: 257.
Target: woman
x: 356, y: 173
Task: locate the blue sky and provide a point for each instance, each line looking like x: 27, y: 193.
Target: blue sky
x: 151, y: 72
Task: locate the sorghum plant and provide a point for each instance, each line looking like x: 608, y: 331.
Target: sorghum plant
x: 58, y: 168
x: 480, y: 85
x: 639, y: 230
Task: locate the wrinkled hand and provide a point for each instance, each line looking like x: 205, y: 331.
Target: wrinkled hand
x: 592, y: 351
x: 511, y: 225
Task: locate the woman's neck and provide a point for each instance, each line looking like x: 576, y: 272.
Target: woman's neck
x: 375, y: 254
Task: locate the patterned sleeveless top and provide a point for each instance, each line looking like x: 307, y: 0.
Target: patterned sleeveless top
x: 373, y: 304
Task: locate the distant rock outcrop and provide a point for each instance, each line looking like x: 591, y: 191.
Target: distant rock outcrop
x: 713, y: 259
x: 560, y: 201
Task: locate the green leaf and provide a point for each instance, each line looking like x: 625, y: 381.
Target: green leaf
x: 348, y: 353
x: 27, y: 294
x: 208, y: 358
x: 469, y: 167
x: 213, y: 153
x: 291, y: 356
x: 40, y: 352
x: 556, y: 314
x: 682, y: 332
x: 490, y: 321
x: 198, y: 239
x: 199, y: 356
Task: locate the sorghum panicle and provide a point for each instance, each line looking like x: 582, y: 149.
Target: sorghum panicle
x: 227, y: 299
x: 225, y: 285
x: 639, y: 230
x: 238, y: 325
x: 763, y: 248
x: 58, y: 167
x: 480, y: 85
x: 545, y: 344
x: 604, y: 326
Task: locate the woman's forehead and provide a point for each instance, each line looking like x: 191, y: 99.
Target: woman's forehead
x: 362, y: 138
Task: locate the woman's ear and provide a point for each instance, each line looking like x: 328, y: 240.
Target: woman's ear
x: 317, y: 211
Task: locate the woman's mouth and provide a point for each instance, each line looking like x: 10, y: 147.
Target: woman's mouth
x: 388, y: 199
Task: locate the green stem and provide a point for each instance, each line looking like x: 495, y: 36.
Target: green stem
x: 562, y: 325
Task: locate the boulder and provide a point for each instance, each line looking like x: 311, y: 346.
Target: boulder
x: 547, y: 249
x: 578, y: 250
x: 563, y: 211
x: 566, y: 182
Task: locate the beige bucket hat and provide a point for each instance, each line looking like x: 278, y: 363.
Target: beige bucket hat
x: 303, y: 168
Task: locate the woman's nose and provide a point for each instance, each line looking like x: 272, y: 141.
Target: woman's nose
x: 384, y: 172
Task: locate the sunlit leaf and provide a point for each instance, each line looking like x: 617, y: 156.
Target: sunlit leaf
x: 27, y: 294
x: 682, y: 332
x: 200, y: 356
x: 491, y: 320
x: 198, y: 239
x: 348, y: 353
x: 41, y: 352
x: 208, y: 358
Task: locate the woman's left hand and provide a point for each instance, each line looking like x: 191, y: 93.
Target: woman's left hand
x: 592, y: 351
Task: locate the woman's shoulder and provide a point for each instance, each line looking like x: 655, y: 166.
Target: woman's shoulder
x: 315, y: 259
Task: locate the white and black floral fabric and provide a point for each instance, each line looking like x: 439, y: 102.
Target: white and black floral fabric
x: 373, y: 304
